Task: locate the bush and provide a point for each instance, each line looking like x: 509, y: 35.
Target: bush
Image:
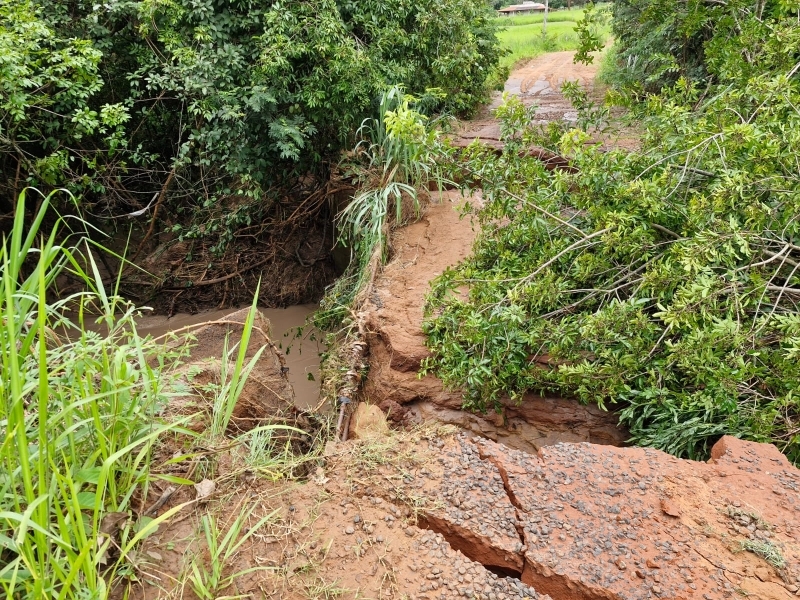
x: 217, y: 99
x: 665, y: 281
x: 659, y: 41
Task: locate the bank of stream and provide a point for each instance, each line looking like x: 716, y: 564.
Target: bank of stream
x: 393, y: 313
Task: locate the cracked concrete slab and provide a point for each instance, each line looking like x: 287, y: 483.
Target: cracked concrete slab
x: 634, y: 523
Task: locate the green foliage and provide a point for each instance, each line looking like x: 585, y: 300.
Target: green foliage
x: 591, y: 31
x: 81, y: 412
x: 208, y: 578
x: 220, y: 99
x: 766, y: 550
x: 661, y: 41
x: 232, y: 381
x: 78, y: 410
x: 392, y: 161
x: 664, y: 281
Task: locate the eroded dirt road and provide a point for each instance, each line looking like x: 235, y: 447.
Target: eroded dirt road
x: 432, y: 514
x: 536, y: 83
x: 422, y: 251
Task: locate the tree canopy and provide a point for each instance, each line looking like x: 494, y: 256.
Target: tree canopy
x: 215, y: 97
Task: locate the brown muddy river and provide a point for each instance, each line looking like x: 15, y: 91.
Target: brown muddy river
x: 302, y: 354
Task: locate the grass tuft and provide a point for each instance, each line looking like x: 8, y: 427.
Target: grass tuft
x: 766, y: 550
x: 78, y: 410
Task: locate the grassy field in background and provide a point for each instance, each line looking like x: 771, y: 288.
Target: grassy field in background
x: 523, y: 37
x: 554, y: 16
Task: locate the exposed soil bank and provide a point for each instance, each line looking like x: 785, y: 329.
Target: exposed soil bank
x: 422, y: 251
x: 289, y: 253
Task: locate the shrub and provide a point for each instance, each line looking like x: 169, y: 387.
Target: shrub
x: 663, y: 281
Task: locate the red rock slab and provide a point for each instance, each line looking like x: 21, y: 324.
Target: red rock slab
x: 633, y: 523
x: 471, y: 508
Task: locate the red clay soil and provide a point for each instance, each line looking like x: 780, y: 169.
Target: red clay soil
x: 427, y: 515
x: 422, y: 251
x: 350, y: 532
x: 629, y: 523
x: 536, y: 83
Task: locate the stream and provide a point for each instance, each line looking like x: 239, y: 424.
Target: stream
x: 302, y: 354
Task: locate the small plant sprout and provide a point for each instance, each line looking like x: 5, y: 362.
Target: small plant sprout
x: 207, y: 577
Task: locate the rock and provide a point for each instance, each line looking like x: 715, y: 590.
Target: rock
x: 763, y: 574
x: 472, y: 511
x: 686, y: 554
x: 332, y: 448
x: 367, y: 421
x: 204, y: 489
x: 668, y: 507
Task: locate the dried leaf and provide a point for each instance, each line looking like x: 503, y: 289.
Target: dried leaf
x: 112, y: 522
x: 319, y: 476
x: 205, y: 489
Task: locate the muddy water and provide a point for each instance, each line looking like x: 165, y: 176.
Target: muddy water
x: 302, y: 354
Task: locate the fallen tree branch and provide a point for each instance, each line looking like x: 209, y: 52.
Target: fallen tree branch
x: 551, y: 160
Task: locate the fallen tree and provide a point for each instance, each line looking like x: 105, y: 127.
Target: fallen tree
x: 663, y: 282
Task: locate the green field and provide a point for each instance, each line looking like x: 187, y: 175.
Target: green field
x: 554, y: 16
x: 523, y: 36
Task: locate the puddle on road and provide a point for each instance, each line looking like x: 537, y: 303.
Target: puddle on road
x: 302, y: 354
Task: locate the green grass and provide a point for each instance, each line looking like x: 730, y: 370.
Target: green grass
x: 78, y: 413
x: 80, y: 416
x: 523, y: 37
x: 207, y: 577
x: 555, y: 16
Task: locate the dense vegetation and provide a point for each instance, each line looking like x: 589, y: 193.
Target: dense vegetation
x: 662, y: 282
x: 706, y: 42
x: 78, y: 413
x: 217, y: 110
x: 83, y: 407
x: 218, y: 105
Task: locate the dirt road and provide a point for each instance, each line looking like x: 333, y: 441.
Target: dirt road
x: 537, y: 82
x: 422, y: 251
